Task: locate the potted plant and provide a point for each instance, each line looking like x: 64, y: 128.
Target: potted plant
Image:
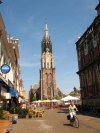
x: 30, y: 115
x: 25, y: 111
x: 11, y: 110
x: 17, y: 110
x: 20, y: 114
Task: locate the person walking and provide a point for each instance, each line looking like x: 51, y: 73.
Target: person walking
x: 34, y: 106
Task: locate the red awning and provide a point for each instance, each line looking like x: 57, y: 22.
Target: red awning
x: 20, y: 95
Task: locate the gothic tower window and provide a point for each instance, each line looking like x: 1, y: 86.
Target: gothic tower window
x: 47, y: 65
x: 51, y: 64
x: 49, y: 92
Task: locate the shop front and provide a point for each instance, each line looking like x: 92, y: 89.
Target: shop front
x: 14, y: 98
x: 5, y: 95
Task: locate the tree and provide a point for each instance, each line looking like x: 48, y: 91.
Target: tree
x: 44, y: 98
x: 56, y: 97
x: 64, y: 95
x: 73, y: 95
x: 34, y: 98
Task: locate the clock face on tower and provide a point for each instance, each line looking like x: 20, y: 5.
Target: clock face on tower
x: 47, y: 49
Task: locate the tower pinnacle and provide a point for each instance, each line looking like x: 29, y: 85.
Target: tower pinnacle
x: 46, y: 34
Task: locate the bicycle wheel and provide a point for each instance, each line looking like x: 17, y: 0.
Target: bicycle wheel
x: 76, y: 122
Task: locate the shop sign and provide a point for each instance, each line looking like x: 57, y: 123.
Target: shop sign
x: 5, y: 68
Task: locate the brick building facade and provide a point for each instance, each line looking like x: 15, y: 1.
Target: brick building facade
x: 47, y: 72
x: 88, y: 53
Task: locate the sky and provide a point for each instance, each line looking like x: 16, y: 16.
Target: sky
x: 25, y: 19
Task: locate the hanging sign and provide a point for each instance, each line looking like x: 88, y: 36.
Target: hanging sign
x: 5, y: 68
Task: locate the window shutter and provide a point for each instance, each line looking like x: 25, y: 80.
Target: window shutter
x: 93, y: 77
x: 86, y: 60
x: 82, y: 92
x: 99, y: 88
x: 90, y: 90
x: 96, y: 51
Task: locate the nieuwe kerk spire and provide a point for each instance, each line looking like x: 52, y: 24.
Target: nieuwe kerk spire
x: 46, y: 34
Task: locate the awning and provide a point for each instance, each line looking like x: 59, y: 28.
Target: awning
x: 46, y: 101
x: 13, y: 93
x: 21, y: 96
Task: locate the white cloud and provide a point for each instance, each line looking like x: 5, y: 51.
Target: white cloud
x: 29, y: 64
x: 30, y: 19
x: 38, y: 36
x: 60, y: 57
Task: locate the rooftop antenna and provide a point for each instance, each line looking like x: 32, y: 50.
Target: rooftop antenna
x: 78, y: 36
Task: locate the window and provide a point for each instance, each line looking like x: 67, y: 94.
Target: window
x: 95, y: 90
x: 92, y: 74
x: 92, y: 55
x: 49, y: 92
x: 82, y: 52
x: 95, y: 73
x: 88, y: 73
x: 51, y: 64
x: 90, y: 46
x: 86, y: 92
x: 99, y: 37
x: 85, y: 80
x: 47, y: 65
x: 83, y: 62
x: 85, y: 45
x: 50, y: 77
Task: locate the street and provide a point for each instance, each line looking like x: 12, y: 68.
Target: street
x: 55, y: 121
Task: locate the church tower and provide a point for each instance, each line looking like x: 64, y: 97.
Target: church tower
x: 47, y: 72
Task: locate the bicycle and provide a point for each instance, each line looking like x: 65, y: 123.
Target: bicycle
x: 75, y: 121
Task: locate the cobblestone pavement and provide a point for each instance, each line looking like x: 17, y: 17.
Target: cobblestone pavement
x: 55, y: 121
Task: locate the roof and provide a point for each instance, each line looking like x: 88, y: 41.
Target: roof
x: 36, y: 86
x: 2, y: 25
x: 97, y: 6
